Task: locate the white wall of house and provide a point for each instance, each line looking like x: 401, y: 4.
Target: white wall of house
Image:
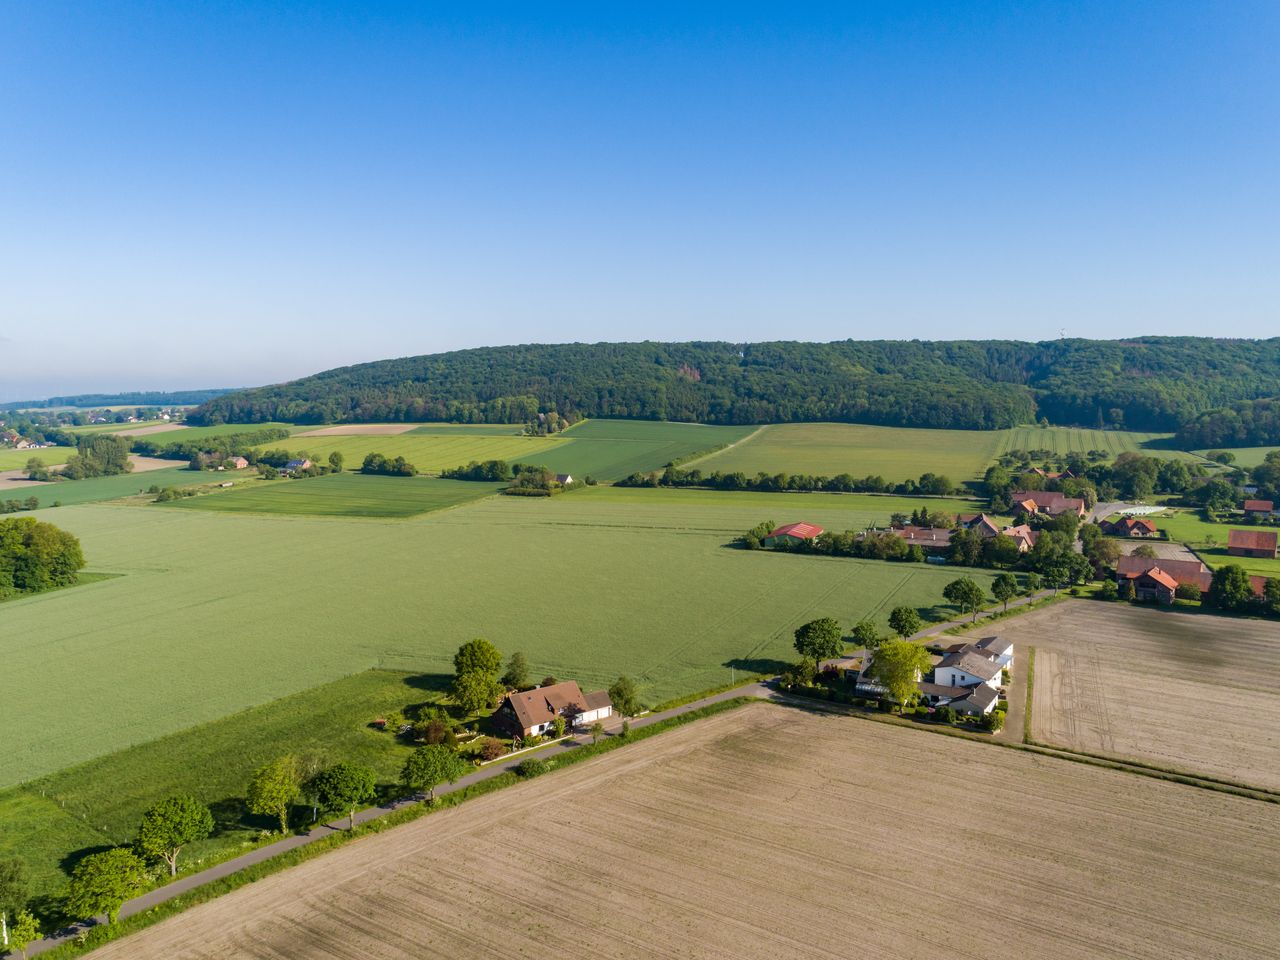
x: 955, y: 677
x: 591, y: 716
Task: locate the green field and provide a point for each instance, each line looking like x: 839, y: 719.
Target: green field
x: 17, y: 459
x: 828, y: 449
x: 1210, y: 540
x: 96, y: 489
x: 474, y: 429
x: 1064, y: 440
x: 341, y: 495
x: 430, y: 453
x: 216, y: 612
x: 1245, y: 456
x: 101, y: 802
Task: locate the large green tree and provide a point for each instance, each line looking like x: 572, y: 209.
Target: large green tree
x: 475, y: 692
x: 26, y: 931
x: 15, y: 888
x: 1004, y: 588
x: 965, y: 594
x: 275, y: 788
x: 170, y: 825
x: 429, y: 766
x: 477, y: 656
x: 899, y: 665
x: 904, y: 621
x: 1230, y: 589
x: 820, y: 639
x: 102, y: 882
x: 866, y: 634
x: 517, y: 675
x: 36, y: 556
x: 622, y: 693
x: 344, y: 786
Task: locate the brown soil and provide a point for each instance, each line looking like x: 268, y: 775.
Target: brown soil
x: 1186, y: 691
x: 143, y: 464
x: 775, y: 833
x: 361, y: 430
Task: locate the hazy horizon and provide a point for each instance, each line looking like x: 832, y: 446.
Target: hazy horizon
x: 246, y: 194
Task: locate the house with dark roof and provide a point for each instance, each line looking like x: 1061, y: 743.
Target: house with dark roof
x: 1051, y: 503
x: 928, y: 539
x: 1252, y: 543
x: 792, y: 534
x: 979, y: 523
x: 967, y: 667
x: 293, y: 466
x: 530, y: 712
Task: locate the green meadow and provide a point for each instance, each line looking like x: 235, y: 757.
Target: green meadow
x: 95, y: 489
x: 341, y: 495
x: 217, y: 612
x: 1209, y: 540
x: 1245, y: 456
x: 430, y: 453
x: 1064, y: 440
x: 55, y: 819
x: 17, y: 459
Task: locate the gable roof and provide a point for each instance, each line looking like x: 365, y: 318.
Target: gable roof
x: 543, y: 704
x: 997, y: 646
x: 1258, y: 506
x: 1162, y: 578
x: 971, y: 661
x: 1050, y: 501
x: 939, y: 536
x: 805, y: 531
x: 1182, y: 571
x: 980, y: 696
x: 1252, y: 540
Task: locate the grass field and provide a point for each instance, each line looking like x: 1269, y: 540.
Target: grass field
x: 603, y: 449
x: 468, y: 429
x: 1245, y: 456
x: 52, y: 820
x: 1159, y: 686
x: 95, y: 489
x: 729, y: 838
x: 217, y: 612
x: 1063, y: 440
x: 832, y: 448
x: 1210, y: 540
x: 342, y: 495
x: 17, y: 459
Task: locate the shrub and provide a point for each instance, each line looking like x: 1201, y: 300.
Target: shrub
x: 1188, y: 591
x: 532, y: 767
x: 491, y: 749
x: 1109, y: 591
x: 993, y: 721
x: 945, y: 714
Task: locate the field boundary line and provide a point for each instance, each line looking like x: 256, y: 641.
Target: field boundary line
x: 725, y: 448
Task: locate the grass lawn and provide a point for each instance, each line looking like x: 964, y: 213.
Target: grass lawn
x: 1245, y: 456
x: 341, y: 495
x: 216, y: 612
x: 1209, y: 540
x: 828, y: 449
x: 54, y: 820
x: 95, y: 489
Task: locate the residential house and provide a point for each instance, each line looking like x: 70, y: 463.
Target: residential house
x: 1252, y: 543
x: 980, y: 524
x: 1022, y: 535
x: 531, y: 712
x: 22, y: 444
x: 1155, y: 578
x: 237, y: 463
x: 1133, y: 527
x: 564, y: 479
x: 967, y: 667
x: 968, y: 678
x: 850, y: 667
x: 928, y: 539
x: 792, y: 533
x: 1259, y: 509
x: 1051, y: 503
x: 293, y: 466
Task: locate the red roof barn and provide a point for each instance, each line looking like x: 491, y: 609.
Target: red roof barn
x: 792, y: 533
x: 1252, y: 543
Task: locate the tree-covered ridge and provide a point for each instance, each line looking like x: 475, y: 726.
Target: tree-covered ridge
x: 1152, y: 383
x: 1249, y: 423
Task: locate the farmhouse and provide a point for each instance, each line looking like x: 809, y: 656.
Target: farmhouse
x: 967, y: 667
x: 792, y: 534
x: 980, y: 524
x: 237, y: 463
x: 534, y: 711
x: 1049, y: 502
x: 1259, y: 509
x: 294, y: 465
x: 1252, y: 543
x: 1022, y: 535
x: 926, y: 538
x: 1130, y: 527
x: 564, y: 479
x: 1158, y: 579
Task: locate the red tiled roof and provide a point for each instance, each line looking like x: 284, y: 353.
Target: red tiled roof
x: 1182, y: 571
x: 1159, y: 576
x: 1252, y: 540
x: 805, y: 531
x: 1258, y: 506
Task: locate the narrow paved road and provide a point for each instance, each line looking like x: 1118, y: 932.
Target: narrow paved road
x: 935, y: 629
x: 190, y: 882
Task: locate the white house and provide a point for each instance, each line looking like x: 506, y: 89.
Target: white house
x: 967, y: 667
x: 999, y: 648
x: 534, y: 711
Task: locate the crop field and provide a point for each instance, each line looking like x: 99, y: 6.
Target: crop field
x: 342, y: 495
x: 828, y: 449
x: 729, y: 838
x: 589, y: 585
x: 1185, y: 691
x: 465, y: 429
x: 1210, y: 540
x: 1064, y: 440
x: 101, y: 802
x: 430, y: 454
x: 96, y: 489
x: 17, y: 459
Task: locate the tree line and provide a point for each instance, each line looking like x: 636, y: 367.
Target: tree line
x: 929, y: 484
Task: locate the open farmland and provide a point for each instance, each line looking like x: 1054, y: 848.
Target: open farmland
x: 95, y: 489
x: 342, y: 495
x: 589, y: 585
x: 1210, y: 540
x: 1184, y: 691
x: 1245, y: 456
x: 1064, y: 440
x: 430, y: 454
x: 100, y: 802
x: 11, y: 459
x: 828, y: 449
x: 730, y: 837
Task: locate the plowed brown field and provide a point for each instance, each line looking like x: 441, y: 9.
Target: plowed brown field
x: 1186, y: 691
x: 772, y: 832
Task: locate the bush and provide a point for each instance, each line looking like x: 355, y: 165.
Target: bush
x: 1109, y: 591
x: 1188, y: 591
x: 491, y: 749
x: 993, y: 721
x: 532, y: 767
x: 945, y: 715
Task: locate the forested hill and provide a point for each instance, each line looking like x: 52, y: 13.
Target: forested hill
x: 1151, y: 383
x: 1249, y: 423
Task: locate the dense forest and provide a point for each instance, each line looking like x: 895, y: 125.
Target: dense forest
x: 152, y: 398
x: 1150, y: 383
x: 1249, y: 423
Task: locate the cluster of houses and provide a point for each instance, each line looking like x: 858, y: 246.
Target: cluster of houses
x: 968, y: 677
x: 11, y: 438
x: 528, y: 713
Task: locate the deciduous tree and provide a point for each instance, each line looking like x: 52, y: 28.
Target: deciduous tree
x: 475, y: 692
x: 428, y: 767
x: 102, y: 882
x: 904, y: 621
x: 25, y: 932
x: 169, y: 826
x: 965, y: 594
x: 15, y: 888
x: 866, y: 634
x: 477, y: 656
x: 899, y: 665
x: 1231, y: 589
x: 345, y: 786
x: 275, y: 788
x: 622, y: 692
x: 517, y: 675
x: 820, y: 639
x: 1004, y: 588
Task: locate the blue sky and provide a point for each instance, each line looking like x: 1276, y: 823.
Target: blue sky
x: 198, y: 194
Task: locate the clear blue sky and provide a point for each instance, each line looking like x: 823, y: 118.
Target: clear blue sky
x: 200, y: 194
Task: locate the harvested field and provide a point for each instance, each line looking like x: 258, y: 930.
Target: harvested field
x: 742, y: 835
x: 360, y: 430
x: 15, y: 479
x: 1184, y: 691
x: 146, y: 464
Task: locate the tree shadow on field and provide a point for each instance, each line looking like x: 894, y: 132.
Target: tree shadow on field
x: 434, y: 682
x: 231, y: 815
x: 72, y: 859
x: 757, y: 665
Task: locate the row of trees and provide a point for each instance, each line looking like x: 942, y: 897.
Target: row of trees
x: 376, y: 463
x: 929, y: 484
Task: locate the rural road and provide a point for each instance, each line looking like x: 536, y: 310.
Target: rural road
x: 190, y: 882
x: 935, y: 629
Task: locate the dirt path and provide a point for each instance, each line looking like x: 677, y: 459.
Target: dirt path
x: 690, y: 463
x: 736, y: 837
